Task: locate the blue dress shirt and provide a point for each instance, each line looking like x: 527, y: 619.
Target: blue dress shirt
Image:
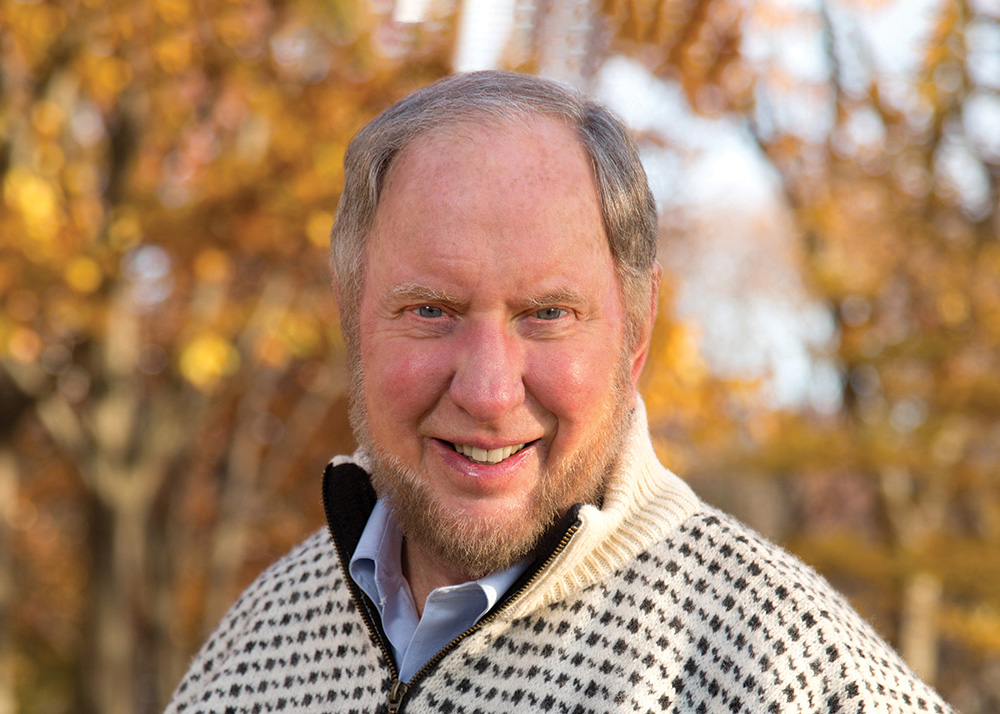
x: 376, y: 567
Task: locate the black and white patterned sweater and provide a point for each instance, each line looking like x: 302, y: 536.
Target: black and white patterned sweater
x: 654, y: 602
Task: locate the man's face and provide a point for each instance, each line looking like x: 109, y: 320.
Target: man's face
x: 494, y: 386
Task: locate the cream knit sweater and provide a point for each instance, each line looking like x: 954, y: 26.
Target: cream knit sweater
x: 654, y: 602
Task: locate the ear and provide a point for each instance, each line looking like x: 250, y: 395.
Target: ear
x: 641, y: 350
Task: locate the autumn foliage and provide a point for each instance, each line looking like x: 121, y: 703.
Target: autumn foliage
x: 171, y: 378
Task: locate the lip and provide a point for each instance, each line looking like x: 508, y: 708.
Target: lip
x: 482, y: 472
x: 485, y: 444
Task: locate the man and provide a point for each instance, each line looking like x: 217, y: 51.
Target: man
x: 505, y: 538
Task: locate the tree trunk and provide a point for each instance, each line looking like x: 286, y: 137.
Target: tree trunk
x: 918, y: 631
x: 117, y: 669
x: 8, y: 499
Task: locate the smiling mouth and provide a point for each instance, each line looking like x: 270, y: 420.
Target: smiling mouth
x: 487, y: 456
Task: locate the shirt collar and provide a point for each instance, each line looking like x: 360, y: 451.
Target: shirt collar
x: 376, y: 564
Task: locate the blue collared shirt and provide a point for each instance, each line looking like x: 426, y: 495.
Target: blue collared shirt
x: 376, y: 567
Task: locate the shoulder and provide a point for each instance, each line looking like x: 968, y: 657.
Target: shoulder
x: 303, y: 575
x: 748, y: 597
x: 287, y: 611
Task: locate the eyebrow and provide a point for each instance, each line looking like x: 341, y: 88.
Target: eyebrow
x: 557, y: 297
x: 415, y: 292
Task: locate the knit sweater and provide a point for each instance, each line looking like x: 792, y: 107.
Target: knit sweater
x: 652, y: 602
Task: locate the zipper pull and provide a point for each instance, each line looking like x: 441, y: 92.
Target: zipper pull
x: 396, y: 693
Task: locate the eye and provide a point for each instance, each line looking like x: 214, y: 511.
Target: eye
x: 550, y: 313
x: 429, y: 311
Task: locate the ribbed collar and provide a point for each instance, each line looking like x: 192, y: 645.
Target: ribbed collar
x: 644, y: 501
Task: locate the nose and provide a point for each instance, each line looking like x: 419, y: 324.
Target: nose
x: 488, y: 379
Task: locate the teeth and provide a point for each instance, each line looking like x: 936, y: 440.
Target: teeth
x: 491, y: 456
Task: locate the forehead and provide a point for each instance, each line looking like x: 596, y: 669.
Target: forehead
x: 511, y: 164
x: 519, y: 194
x: 537, y: 146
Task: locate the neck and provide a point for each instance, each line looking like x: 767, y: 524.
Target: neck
x: 425, y: 573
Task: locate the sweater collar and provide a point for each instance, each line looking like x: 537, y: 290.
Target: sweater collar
x: 643, y: 502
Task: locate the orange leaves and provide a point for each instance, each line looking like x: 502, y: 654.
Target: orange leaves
x: 213, y: 266
x: 24, y: 345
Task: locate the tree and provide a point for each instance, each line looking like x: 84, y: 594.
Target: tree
x: 170, y: 365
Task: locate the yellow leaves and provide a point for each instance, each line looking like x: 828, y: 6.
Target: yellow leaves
x: 174, y: 11
x: 109, y: 77
x: 208, y: 359
x: 675, y: 373
x: 174, y: 53
x: 953, y: 307
x: 979, y: 627
x: 104, y: 75
x: 296, y: 336
x: 694, y: 44
x: 45, y: 21
x: 84, y: 275
x: 301, y: 335
x: 234, y: 28
x: 125, y: 230
x: 36, y: 200
x: 33, y: 26
x: 329, y: 163
x: 949, y: 444
x: 292, y: 143
x: 82, y: 179
x: 318, y: 228
x: 47, y: 118
x: 855, y: 217
x: 212, y: 266
x: 680, y: 352
x: 49, y: 158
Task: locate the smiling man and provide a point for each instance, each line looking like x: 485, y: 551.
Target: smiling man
x: 505, y: 539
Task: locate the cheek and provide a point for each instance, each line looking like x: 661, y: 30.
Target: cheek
x: 401, y: 383
x: 572, y: 384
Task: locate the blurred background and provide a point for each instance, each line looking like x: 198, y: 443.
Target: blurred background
x: 827, y: 363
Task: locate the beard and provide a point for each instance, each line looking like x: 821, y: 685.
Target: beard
x: 479, y: 545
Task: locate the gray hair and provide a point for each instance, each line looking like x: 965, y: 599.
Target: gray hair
x: 627, y: 204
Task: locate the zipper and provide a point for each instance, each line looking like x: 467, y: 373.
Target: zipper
x: 398, y: 689
x: 361, y: 600
x: 396, y: 693
x: 490, y: 617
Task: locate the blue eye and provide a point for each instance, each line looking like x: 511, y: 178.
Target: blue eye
x: 550, y: 313
x: 430, y: 311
